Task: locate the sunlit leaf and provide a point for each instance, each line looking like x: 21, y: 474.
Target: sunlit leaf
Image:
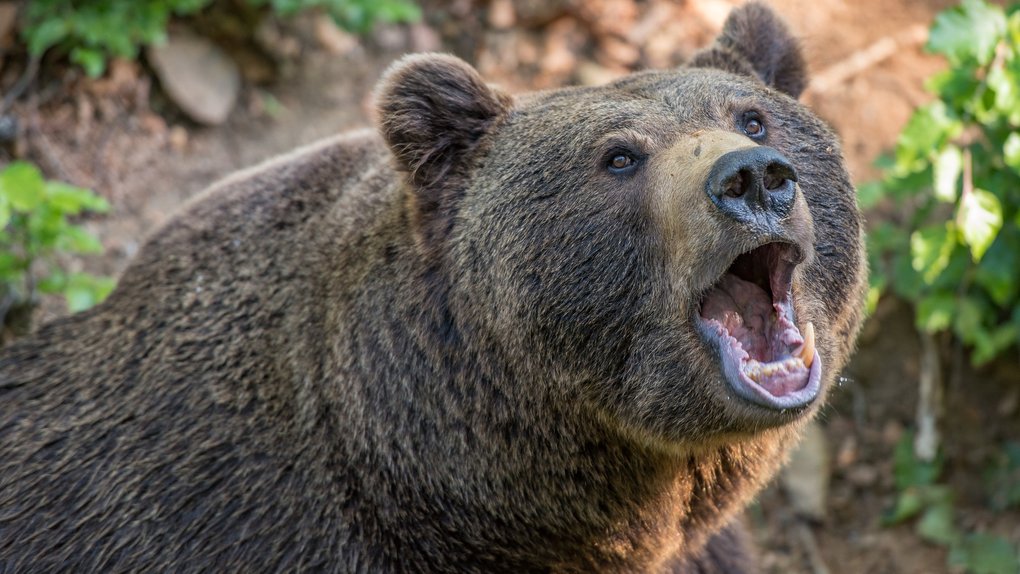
x: 22, y: 185
x: 947, y: 168
x: 1011, y: 151
x: 980, y: 218
x: 968, y: 32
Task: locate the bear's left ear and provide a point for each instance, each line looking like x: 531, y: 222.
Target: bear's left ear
x: 433, y: 110
x: 756, y: 42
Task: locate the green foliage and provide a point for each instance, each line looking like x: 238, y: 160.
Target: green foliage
x: 1003, y: 478
x: 956, y: 173
x: 96, y: 30
x: 34, y: 231
x: 93, y: 31
x: 922, y: 497
x: 355, y: 15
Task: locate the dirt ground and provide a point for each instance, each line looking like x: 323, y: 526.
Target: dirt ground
x: 121, y: 136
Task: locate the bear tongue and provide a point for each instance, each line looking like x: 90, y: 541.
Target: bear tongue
x: 745, y: 310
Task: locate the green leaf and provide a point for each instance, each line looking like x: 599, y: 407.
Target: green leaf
x: 1002, y: 81
x: 930, y: 250
x: 868, y: 194
x: 22, y: 185
x: 955, y: 86
x: 980, y: 218
x: 935, y: 312
x: 947, y: 166
x: 5, y: 211
x: 52, y: 284
x: 936, y: 523
x: 84, y: 291
x: 985, y: 554
x: 1011, y: 151
x: 968, y: 318
x: 908, y: 505
x: 988, y: 345
x: 74, y: 239
x: 908, y: 470
x: 999, y: 271
x: 71, y: 200
x: 47, y: 34
x: 906, y: 282
x: 968, y: 32
x: 1003, y: 477
x: 91, y: 60
x: 928, y: 129
x: 10, y: 264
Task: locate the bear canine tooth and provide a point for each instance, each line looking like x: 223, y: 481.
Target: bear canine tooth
x: 807, y: 353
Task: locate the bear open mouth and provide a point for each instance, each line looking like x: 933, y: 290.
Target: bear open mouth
x: 748, y: 315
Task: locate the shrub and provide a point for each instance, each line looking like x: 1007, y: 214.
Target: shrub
x: 955, y: 173
x: 94, y: 31
x: 35, y: 231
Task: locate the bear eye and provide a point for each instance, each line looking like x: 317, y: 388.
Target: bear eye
x: 752, y: 126
x: 621, y: 162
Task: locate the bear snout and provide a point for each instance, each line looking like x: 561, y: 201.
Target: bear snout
x: 754, y: 186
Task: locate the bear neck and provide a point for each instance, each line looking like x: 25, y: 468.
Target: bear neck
x: 461, y: 441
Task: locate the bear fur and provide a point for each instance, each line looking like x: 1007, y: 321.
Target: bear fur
x: 458, y: 343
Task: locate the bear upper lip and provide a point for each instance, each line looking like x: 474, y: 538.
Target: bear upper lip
x: 748, y: 318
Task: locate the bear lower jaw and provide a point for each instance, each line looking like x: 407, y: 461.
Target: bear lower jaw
x: 748, y: 319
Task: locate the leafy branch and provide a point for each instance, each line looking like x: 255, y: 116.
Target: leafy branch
x: 955, y: 175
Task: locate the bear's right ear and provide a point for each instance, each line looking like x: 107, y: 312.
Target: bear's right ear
x: 433, y: 109
x: 756, y: 42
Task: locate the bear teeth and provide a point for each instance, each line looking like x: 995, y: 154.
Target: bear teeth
x: 756, y: 370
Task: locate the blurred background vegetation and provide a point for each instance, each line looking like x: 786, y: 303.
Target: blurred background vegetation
x: 113, y: 112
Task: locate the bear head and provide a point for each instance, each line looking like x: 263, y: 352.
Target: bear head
x: 678, y: 253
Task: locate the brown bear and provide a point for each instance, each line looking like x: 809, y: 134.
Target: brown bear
x: 570, y: 331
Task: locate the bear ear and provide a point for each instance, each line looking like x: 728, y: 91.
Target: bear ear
x: 433, y: 109
x: 755, y: 41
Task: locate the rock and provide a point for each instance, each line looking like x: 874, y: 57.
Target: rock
x: 390, y: 37
x: 592, y: 74
x: 199, y: 77
x: 178, y: 139
x: 806, y: 477
x: 847, y: 453
x: 537, y: 13
x: 618, y: 52
x: 863, y: 476
x: 501, y: 14
x: 424, y: 38
x: 892, y: 431
x: 332, y: 38
x: 559, y: 58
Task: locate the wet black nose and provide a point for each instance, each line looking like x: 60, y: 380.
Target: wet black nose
x: 753, y: 185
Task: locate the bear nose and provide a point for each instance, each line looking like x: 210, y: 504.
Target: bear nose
x: 752, y: 184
